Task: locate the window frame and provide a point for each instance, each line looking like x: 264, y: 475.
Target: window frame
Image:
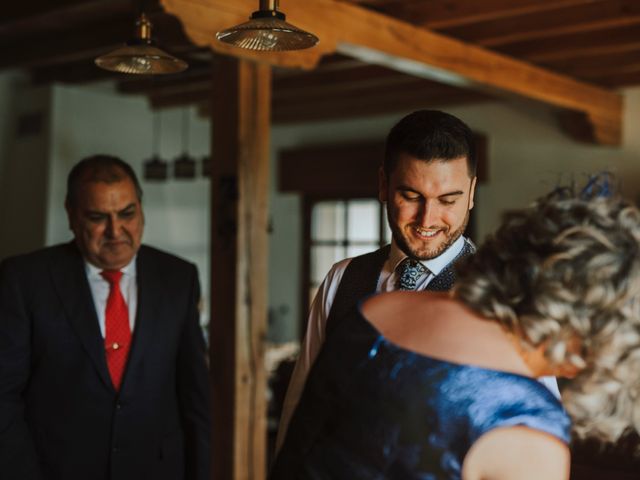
x: 309, y: 202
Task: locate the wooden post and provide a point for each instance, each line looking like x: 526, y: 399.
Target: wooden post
x: 239, y: 193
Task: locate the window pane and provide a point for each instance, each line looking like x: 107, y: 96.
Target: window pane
x: 327, y: 221
x: 322, y: 258
x: 355, y: 250
x: 364, y: 220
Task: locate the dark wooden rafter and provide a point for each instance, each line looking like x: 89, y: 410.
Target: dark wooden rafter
x: 58, y: 17
x: 591, y: 40
x: 72, y: 47
x: 379, y: 39
x: 605, y: 62
x: 16, y: 11
x: 559, y: 56
x: 76, y: 31
x: 512, y: 26
x: 573, y: 19
x: 578, y: 44
x: 439, y: 14
x: 614, y: 69
x: 621, y: 79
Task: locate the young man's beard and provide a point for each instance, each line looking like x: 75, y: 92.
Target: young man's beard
x: 429, y: 254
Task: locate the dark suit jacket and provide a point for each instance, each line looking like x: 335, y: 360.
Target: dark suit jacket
x: 60, y: 417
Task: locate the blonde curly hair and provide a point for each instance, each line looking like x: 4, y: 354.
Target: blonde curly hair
x: 567, y: 271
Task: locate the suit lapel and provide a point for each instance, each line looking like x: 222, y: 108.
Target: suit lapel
x: 70, y: 282
x: 149, y: 291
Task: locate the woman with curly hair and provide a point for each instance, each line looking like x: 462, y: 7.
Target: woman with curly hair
x: 443, y: 386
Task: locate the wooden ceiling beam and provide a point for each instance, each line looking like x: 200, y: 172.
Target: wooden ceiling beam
x: 374, y: 3
x: 574, y: 19
x: 560, y: 56
x: 598, y: 65
x: 378, y: 39
x: 603, y: 74
x: 87, y: 42
x: 438, y: 14
x: 625, y: 77
x: 58, y: 16
x: 75, y: 46
x: 13, y: 11
x: 584, y: 41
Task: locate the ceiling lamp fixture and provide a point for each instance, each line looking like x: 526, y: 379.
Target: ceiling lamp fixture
x: 185, y: 165
x: 267, y: 31
x: 140, y: 55
x: 155, y: 168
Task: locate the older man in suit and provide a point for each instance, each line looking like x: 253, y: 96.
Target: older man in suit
x: 102, y: 359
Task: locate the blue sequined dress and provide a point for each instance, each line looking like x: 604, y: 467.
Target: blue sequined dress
x: 373, y: 410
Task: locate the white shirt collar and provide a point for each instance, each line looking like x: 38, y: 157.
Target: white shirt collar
x: 94, y: 272
x: 435, y: 265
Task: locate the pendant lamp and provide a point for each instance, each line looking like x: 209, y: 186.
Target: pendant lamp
x: 140, y: 55
x: 267, y: 31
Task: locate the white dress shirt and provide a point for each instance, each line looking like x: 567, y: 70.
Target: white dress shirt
x: 321, y: 306
x: 100, y: 291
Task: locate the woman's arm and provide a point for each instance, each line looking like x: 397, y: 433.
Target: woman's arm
x: 517, y: 453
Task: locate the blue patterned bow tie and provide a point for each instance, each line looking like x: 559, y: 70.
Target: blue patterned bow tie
x: 409, y: 272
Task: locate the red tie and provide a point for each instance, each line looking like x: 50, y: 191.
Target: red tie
x: 117, y: 339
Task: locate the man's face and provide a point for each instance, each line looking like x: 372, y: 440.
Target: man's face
x: 107, y: 222
x: 428, y: 204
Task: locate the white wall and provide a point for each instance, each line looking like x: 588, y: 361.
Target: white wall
x: 87, y: 121
x: 23, y: 164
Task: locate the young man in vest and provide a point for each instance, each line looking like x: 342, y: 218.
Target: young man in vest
x: 427, y: 182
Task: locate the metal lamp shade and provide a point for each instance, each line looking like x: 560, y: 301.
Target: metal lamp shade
x: 141, y: 59
x: 267, y: 31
